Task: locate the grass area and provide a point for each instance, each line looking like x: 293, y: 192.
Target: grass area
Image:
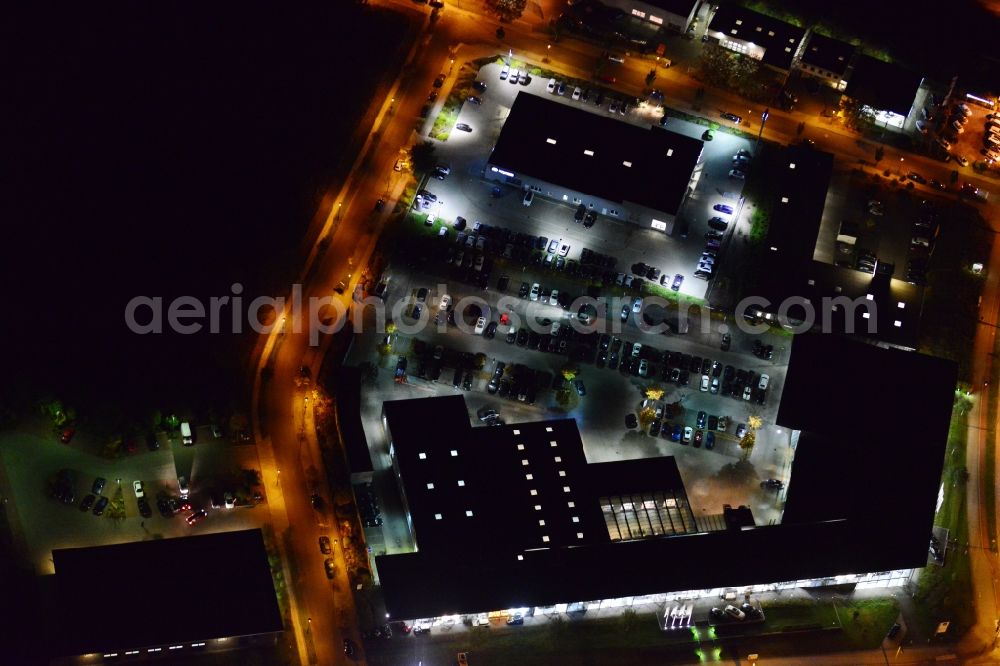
x: 863, y: 623
x: 944, y: 593
x: 866, y: 622
x: 990, y: 459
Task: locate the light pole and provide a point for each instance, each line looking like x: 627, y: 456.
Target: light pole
x: 760, y: 133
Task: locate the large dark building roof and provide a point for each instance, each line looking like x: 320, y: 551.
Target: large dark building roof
x: 828, y: 53
x: 801, y: 176
x: 164, y: 591
x: 347, y: 388
x: 883, y: 85
x: 855, y: 405
x: 779, y: 40
x: 678, y: 7
x: 595, y: 154
x: 841, y: 515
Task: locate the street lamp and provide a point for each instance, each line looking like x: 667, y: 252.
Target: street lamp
x: 763, y: 121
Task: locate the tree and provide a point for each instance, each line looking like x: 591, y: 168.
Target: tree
x: 629, y: 620
x: 754, y: 422
x: 747, y: 443
x: 654, y: 392
x: 422, y: 157
x: 646, y: 416
x: 879, y: 154
x: 500, y: 33
x: 390, y: 328
x: 570, y: 372
x: 651, y: 77
x: 800, y: 129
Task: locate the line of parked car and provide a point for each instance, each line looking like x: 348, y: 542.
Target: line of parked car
x: 577, y: 94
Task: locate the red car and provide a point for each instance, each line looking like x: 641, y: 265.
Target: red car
x: 67, y: 435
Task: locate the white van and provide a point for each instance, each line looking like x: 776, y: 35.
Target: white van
x: 187, y: 436
x: 614, y: 57
x: 528, y: 198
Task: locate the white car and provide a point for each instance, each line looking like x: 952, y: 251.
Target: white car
x: 563, y: 250
x: 480, y: 325
x: 137, y: 487
x: 577, y: 92
x: 551, y: 87
x: 636, y: 304
x: 554, y: 297
x: 762, y: 384
x: 553, y: 246
x: 535, y: 289
x: 962, y: 160
x: 705, y: 381
x: 504, y: 72
x: 735, y: 613
x: 636, y: 349
x: 688, y: 432
x: 737, y: 174
x: 444, y: 302
x: 515, y: 76
x: 747, y: 393
x: 643, y: 367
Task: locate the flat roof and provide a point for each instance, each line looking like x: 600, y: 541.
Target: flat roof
x: 596, y: 154
x: 839, y: 494
x: 779, y: 40
x: 679, y: 7
x: 347, y: 388
x: 166, y: 591
x: 883, y: 85
x: 828, y: 53
x: 861, y: 462
x: 796, y: 214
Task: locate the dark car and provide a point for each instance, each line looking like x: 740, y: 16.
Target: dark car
x: 699, y: 435
x: 733, y: 117
x: 631, y: 421
x: 723, y: 208
x: 98, y: 485
x: 463, y: 127
x: 479, y: 86
x: 678, y: 281
x: 893, y: 631
x: 727, y: 340
x: 439, y: 81
x: 581, y: 390
x: 491, y: 330
x: 324, y: 545
x: 702, y: 418
x: 163, y: 506
x: 710, y: 440
x: 152, y: 443
x: 348, y: 647
x: 100, y: 506
x: 475, y: 100
x: 144, y: 508
x: 675, y: 434
x: 517, y: 619
x: 654, y: 428
x: 87, y: 502
x: 328, y: 565
x: 772, y: 484
x: 718, y: 223
x: 196, y: 517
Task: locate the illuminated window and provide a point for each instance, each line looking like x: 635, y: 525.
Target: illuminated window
x: 659, y: 226
x: 558, y: 458
x: 897, y: 323
x: 517, y: 432
x: 636, y: 12
x: 547, y: 429
x: 571, y: 505
x: 562, y: 473
x: 422, y: 456
x: 454, y: 453
x: 656, y: 19
x: 468, y: 513
x: 626, y: 163
x: 869, y: 297
x: 520, y: 558
x: 579, y: 535
x: 538, y: 507
x: 588, y: 153
x: 576, y: 519
x: 774, y: 249
x: 545, y: 539
x: 533, y: 492
x: 520, y: 447
x: 541, y: 523
x: 461, y: 483
x: 437, y: 516
x: 791, y: 165
x: 553, y: 443
x: 524, y: 461
x: 901, y: 305
x: 552, y: 141
x: 565, y: 489
x: 739, y: 21
x: 784, y: 199
x: 866, y: 315
x: 770, y: 33
x: 670, y: 152
x: 811, y: 282
x: 529, y: 477
x: 430, y: 486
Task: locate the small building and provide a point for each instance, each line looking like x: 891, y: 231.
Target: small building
x: 172, y: 597
x: 826, y: 59
x: 564, y: 153
x: 771, y: 41
x: 674, y: 15
x: 893, y: 93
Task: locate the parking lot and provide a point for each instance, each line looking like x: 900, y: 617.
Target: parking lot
x: 32, y: 457
x: 466, y: 193
x: 443, y: 359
